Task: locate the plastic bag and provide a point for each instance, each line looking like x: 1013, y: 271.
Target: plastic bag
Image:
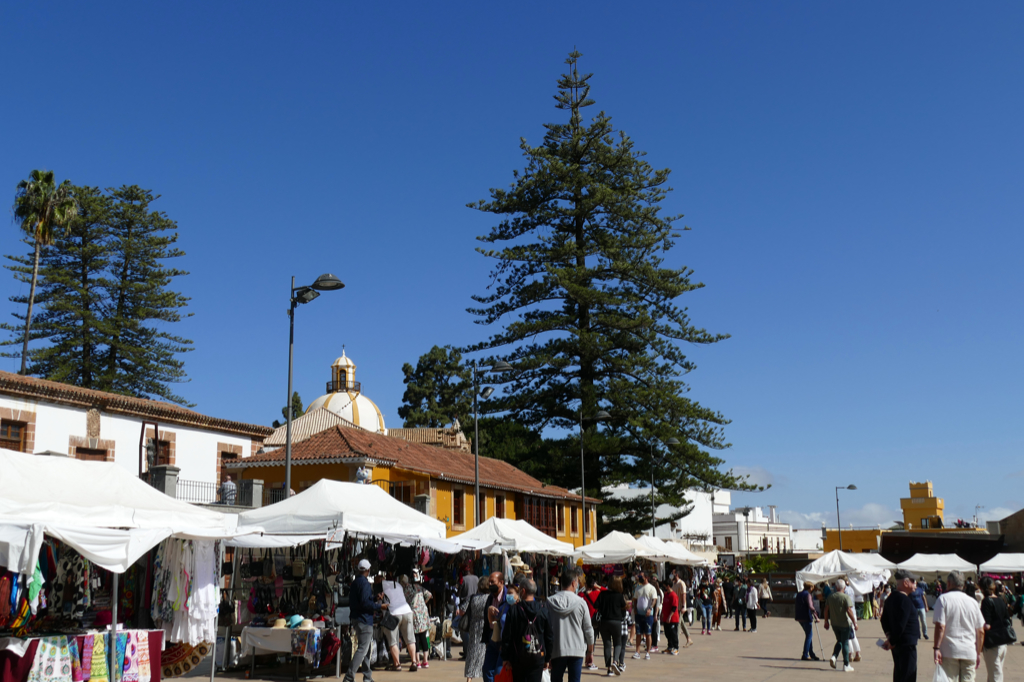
x: 545, y: 676
x: 940, y: 675
x: 505, y: 675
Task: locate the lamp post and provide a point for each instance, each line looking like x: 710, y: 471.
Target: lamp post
x: 500, y: 366
x: 838, y: 522
x: 670, y: 441
x: 303, y: 294
x: 601, y: 416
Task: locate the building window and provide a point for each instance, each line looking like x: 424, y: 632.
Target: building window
x: 12, y: 435
x: 539, y: 513
x: 560, y: 520
x: 728, y: 544
x: 574, y: 522
x: 586, y: 521
x: 225, y: 458
x: 91, y: 455
x: 458, y: 507
x: 714, y: 541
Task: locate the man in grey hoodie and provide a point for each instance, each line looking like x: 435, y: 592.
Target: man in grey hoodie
x: 572, y: 633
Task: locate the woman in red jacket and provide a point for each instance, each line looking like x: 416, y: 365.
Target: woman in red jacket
x: 670, y: 619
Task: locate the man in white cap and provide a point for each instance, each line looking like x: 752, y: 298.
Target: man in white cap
x: 362, y: 606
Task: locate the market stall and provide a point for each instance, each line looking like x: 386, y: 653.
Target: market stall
x: 937, y: 565
x: 838, y: 564
x: 1004, y: 563
x: 671, y: 552
x: 87, y: 545
x: 615, y: 548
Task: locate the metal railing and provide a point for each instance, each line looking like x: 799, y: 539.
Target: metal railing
x: 350, y: 386
x: 204, y: 492
x: 272, y: 495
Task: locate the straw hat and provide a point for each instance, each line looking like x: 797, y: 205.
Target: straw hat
x: 280, y: 624
x: 306, y: 624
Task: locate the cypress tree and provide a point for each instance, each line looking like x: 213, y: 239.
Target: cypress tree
x: 588, y: 312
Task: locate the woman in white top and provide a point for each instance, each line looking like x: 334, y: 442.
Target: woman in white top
x: 400, y: 609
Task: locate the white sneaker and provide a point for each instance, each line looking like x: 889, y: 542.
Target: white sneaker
x: 592, y: 667
x: 847, y: 668
x: 638, y: 656
x: 647, y: 656
x: 832, y: 662
x: 610, y: 674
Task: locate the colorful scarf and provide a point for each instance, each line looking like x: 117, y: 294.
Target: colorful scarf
x: 76, y: 664
x: 122, y: 645
x: 52, y: 662
x: 86, y: 658
x: 145, y: 672
x: 131, y: 658
x: 99, y: 659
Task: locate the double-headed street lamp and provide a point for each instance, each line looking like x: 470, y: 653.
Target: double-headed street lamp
x: 303, y: 294
x: 670, y: 441
x: 500, y: 366
x: 838, y: 522
x: 601, y: 416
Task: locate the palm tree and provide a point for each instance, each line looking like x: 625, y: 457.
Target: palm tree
x: 43, y: 208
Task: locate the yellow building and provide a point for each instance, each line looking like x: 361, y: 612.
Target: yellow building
x: 922, y: 510
x: 854, y: 539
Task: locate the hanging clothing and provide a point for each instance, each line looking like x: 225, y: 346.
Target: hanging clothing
x: 99, y: 659
x: 52, y: 662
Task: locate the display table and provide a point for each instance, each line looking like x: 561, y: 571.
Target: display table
x: 278, y: 640
x: 15, y: 667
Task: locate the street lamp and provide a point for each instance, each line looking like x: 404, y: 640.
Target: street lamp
x: 838, y: 522
x: 303, y: 294
x: 670, y: 441
x: 500, y: 366
x: 601, y: 416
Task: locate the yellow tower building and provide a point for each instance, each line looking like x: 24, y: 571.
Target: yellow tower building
x: 922, y: 510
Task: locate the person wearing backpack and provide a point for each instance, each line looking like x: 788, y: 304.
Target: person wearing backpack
x: 526, y: 642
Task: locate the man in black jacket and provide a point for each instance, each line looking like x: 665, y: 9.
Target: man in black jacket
x: 899, y: 622
x: 362, y: 606
x: 526, y: 641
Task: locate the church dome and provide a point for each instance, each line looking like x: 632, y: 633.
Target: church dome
x: 345, y: 398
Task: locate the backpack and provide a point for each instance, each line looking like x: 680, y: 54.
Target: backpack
x: 533, y: 641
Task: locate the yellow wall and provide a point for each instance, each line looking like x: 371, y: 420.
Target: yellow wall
x: 853, y: 540
x: 922, y: 506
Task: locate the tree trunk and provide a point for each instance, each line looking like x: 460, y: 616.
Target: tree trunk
x: 28, y: 316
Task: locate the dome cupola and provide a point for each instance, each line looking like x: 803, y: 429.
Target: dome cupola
x: 345, y: 397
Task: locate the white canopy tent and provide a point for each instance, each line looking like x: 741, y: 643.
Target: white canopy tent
x: 937, y: 565
x: 671, y: 552
x: 101, y: 510
x: 615, y: 548
x: 876, y: 560
x: 1004, y: 563
x: 495, y: 536
x: 332, y: 507
x: 862, y: 576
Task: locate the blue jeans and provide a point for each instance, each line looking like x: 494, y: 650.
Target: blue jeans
x: 707, y: 615
x: 574, y: 664
x: 922, y: 617
x: 808, y: 640
x: 492, y: 661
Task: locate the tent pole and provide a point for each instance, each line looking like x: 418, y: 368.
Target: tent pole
x: 216, y: 628
x: 114, y: 675
x: 547, y: 578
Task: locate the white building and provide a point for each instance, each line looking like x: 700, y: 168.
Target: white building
x: 47, y: 417
x: 808, y: 540
x: 748, y: 529
x: 696, y: 528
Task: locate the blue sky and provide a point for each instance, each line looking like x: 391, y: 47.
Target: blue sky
x: 852, y: 174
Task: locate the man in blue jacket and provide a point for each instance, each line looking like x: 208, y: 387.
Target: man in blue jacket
x: 921, y: 605
x: 900, y: 624
x: 362, y: 606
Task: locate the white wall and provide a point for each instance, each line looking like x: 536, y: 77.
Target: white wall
x: 696, y: 523
x: 195, y: 449
x: 807, y: 539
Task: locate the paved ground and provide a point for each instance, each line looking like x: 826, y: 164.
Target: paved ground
x: 770, y: 654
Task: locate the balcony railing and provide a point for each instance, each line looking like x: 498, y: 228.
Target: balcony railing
x: 350, y: 386
x: 272, y: 495
x: 164, y: 479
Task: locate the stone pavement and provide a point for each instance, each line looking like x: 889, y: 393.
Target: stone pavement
x: 772, y: 653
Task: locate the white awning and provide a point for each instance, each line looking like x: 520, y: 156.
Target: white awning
x: 614, y: 548
x: 495, y: 536
x: 671, y: 552
x: 1004, y: 563
x: 937, y: 564
x: 836, y: 564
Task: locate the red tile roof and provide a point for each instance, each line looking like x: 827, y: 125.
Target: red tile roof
x: 338, y: 443
x: 66, y: 394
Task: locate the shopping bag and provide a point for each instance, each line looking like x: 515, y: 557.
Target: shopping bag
x: 505, y: 675
x: 940, y: 675
x: 545, y: 676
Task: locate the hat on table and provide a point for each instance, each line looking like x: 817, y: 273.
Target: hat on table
x: 280, y: 624
x: 294, y: 621
x: 306, y: 624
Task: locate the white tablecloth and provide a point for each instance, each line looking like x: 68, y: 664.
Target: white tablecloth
x: 267, y: 639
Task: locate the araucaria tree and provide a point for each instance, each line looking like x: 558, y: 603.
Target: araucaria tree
x: 589, y: 314
x: 438, y: 390
x: 42, y: 208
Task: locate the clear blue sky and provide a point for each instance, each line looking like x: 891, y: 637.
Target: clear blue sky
x: 852, y: 174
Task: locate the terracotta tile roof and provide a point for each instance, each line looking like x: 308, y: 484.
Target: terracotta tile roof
x: 448, y: 438
x: 338, y: 444
x: 66, y: 394
x: 309, y: 424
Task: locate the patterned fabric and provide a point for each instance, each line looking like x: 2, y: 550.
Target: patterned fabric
x: 52, y: 662
x: 76, y: 663
x: 99, y: 659
x: 145, y: 671
x: 306, y: 643
x: 131, y: 658
x: 86, y: 658
x: 420, y: 615
x: 179, y: 659
x: 122, y: 645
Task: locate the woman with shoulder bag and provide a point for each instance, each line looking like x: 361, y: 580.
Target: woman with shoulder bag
x: 998, y: 630
x: 612, y: 607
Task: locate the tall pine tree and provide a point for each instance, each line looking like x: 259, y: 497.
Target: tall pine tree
x: 141, y: 356
x: 588, y: 312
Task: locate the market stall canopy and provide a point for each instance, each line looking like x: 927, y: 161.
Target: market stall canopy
x: 862, y: 576
x: 876, y: 560
x: 671, y: 552
x: 614, y: 548
x: 1004, y: 563
x: 937, y: 564
x: 108, y: 515
x: 355, y: 508
x: 495, y: 535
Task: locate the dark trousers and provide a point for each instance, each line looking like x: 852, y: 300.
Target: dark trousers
x: 740, y: 612
x: 752, y: 614
x: 611, y: 635
x: 364, y: 636
x: 904, y: 664
x: 492, y: 661
x: 671, y: 634
x: 528, y: 670
x: 842, y: 644
x: 808, y: 639
x: 572, y: 664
